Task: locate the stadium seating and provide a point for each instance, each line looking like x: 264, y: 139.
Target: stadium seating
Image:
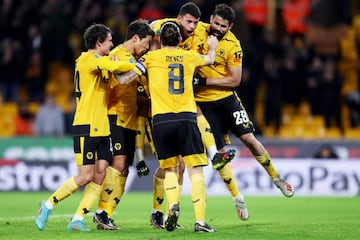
x: 8, y: 112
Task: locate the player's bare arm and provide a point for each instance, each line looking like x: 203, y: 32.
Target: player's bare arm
x: 212, y: 41
x: 233, y: 80
x: 127, y: 78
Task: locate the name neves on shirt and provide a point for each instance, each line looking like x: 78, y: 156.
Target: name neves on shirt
x: 175, y: 58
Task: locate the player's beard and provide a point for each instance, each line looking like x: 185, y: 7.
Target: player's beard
x: 217, y: 34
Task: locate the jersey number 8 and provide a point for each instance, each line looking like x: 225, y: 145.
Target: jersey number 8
x: 176, y: 81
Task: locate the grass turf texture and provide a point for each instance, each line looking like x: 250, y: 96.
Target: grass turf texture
x: 270, y: 218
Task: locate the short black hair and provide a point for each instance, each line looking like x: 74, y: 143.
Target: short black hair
x: 190, y: 8
x: 96, y: 32
x: 140, y: 27
x: 225, y: 11
x: 170, y: 34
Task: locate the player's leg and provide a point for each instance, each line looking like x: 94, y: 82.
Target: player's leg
x: 66, y: 189
x: 111, y: 193
x: 181, y: 170
x: 227, y: 175
x: 171, y: 186
x: 92, y: 190
x: 166, y: 143
x: 198, y: 196
x: 71, y: 185
x: 263, y: 157
x: 157, y: 214
x: 139, y: 139
x: 219, y: 124
x: 142, y: 130
x: 194, y: 159
x: 218, y: 159
x: 245, y: 132
x: 113, y: 188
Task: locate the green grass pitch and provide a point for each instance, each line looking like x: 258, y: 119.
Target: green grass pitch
x: 270, y: 218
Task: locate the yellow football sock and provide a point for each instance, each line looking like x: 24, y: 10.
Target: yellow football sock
x: 171, y: 187
x: 117, y: 194
x: 167, y: 208
x: 65, y: 190
x: 267, y: 164
x: 108, y: 189
x: 206, y: 132
x: 227, y: 176
x: 149, y: 136
x: 89, y: 197
x: 158, y: 193
x: 198, y: 196
x: 140, y: 136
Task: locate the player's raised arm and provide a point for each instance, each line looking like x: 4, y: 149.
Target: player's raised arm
x: 105, y: 63
x: 212, y: 41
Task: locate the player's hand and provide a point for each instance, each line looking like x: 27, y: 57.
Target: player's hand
x: 212, y: 42
x: 142, y: 169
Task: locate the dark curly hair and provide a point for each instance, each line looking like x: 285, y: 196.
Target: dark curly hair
x: 170, y: 34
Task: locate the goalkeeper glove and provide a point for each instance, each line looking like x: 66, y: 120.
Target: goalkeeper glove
x: 199, y: 81
x: 142, y: 169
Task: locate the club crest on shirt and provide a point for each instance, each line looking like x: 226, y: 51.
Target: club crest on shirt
x: 221, y: 52
x: 186, y: 46
x: 89, y: 155
x: 200, y: 48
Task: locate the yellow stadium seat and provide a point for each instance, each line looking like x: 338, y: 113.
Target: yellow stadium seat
x: 34, y: 108
x: 8, y: 113
x: 317, y: 121
x: 333, y: 133
x: 352, y: 133
x: 268, y: 131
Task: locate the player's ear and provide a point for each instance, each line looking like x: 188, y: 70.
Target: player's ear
x: 231, y: 25
x: 98, y: 43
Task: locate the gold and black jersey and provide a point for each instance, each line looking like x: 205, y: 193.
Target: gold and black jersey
x: 92, y: 73
x: 186, y: 44
x: 122, y: 97
x: 170, y: 73
x: 228, y: 54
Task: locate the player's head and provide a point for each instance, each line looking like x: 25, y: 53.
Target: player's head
x: 188, y: 18
x: 170, y: 34
x: 221, y: 20
x: 140, y: 34
x: 98, y: 36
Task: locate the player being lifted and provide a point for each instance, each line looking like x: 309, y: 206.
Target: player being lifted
x: 91, y: 130
x: 122, y: 105
x: 220, y: 104
x: 173, y: 109
x: 187, y: 20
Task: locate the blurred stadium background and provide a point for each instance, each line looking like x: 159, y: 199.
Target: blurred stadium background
x: 300, y: 85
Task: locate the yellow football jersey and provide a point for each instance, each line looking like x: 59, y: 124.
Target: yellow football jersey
x: 186, y: 44
x: 122, y: 97
x: 90, y: 80
x: 170, y: 73
x: 228, y: 54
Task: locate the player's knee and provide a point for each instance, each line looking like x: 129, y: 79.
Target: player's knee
x: 248, y: 139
